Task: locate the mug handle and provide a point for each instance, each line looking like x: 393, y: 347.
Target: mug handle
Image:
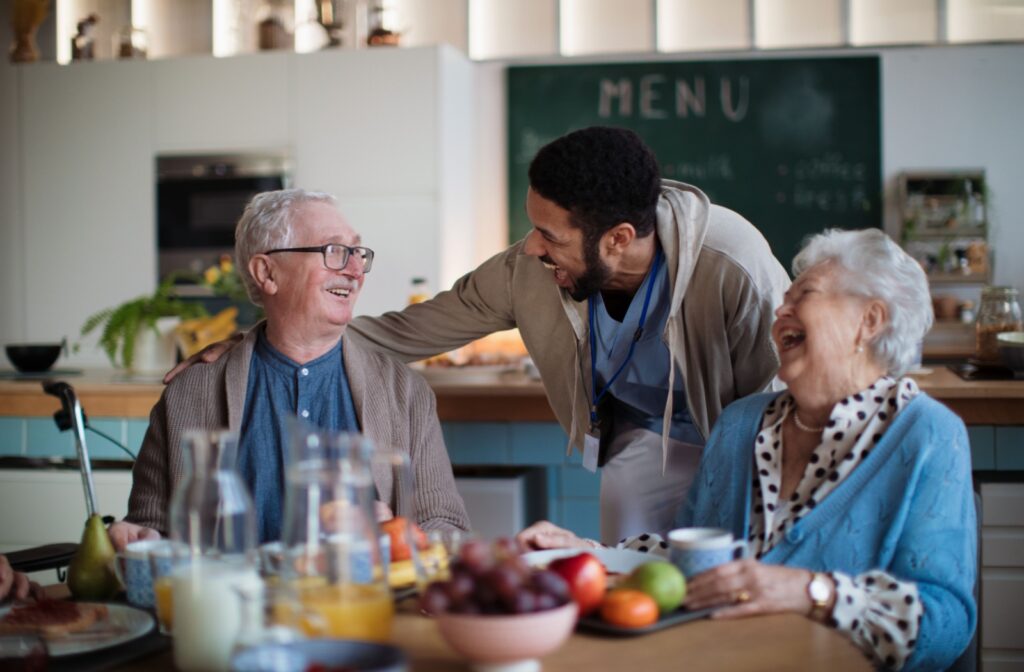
x: 117, y: 563
x: 740, y: 549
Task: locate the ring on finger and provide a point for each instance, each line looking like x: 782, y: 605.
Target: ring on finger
x: 741, y: 597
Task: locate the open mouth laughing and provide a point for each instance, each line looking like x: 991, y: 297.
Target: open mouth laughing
x: 790, y: 338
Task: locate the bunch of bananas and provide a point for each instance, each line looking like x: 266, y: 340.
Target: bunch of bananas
x: 195, y: 334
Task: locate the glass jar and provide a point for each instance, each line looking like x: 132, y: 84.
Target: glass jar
x: 212, y: 517
x: 999, y: 312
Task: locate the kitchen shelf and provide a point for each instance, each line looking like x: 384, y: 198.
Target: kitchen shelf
x: 945, y: 225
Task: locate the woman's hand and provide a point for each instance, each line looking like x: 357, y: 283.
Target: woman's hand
x: 752, y: 587
x: 548, y: 535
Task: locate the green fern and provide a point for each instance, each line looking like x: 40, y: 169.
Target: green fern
x: 122, y: 324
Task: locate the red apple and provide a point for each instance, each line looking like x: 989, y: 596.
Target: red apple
x: 586, y: 577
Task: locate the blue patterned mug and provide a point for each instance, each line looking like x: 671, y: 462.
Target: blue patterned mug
x: 135, y: 571
x: 697, y: 549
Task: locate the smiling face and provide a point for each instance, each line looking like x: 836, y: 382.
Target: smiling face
x: 577, y: 266
x: 304, y: 296
x: 817, y: 331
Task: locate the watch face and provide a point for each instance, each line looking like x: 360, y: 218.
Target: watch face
x: 818, y: 589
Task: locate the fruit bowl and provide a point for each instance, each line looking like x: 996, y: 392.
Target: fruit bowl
x: 507, y: 642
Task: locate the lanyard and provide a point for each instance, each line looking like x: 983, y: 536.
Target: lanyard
x: 596, y: 395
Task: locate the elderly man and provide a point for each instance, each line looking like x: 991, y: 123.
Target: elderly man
x: 306, y: 266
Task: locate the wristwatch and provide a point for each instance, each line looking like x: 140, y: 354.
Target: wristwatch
x: 820, y: 591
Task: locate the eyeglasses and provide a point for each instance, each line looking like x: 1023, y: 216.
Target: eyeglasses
x: 336, y: 256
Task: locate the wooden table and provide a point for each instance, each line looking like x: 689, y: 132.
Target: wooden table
x: 786, y: 642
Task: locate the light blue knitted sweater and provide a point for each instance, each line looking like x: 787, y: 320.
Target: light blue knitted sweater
x: 907, y: 509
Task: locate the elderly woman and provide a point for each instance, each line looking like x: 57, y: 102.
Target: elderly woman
x: 306, y: 266
x: 852, y: 487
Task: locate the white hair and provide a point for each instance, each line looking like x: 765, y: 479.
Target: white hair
x: 266, y: 225
x: 874, y: 267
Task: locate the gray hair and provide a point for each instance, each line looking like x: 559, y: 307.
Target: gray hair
x: 874, y: 267
x: 265, y: 225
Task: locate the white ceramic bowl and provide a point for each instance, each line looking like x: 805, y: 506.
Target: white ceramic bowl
x: 490, y: 641
x: 1011, y: 347
x: 615, y: 560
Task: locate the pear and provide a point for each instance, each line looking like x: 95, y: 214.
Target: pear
x: 91, y: 574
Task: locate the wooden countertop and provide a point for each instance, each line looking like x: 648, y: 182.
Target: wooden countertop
x: 475, y: 397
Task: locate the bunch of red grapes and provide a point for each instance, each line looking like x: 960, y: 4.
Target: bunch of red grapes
x: 494, y: 579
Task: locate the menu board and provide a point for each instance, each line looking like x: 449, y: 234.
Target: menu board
x: 792, y: 144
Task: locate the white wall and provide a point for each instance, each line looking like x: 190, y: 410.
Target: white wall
x: 960, y: 107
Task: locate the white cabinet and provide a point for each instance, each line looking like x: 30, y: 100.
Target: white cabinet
x: 388, y: 131
x: 87, y: 189
x: 1002, y: 577
x: 221, y: 104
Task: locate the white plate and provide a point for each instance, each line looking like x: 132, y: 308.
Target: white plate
x: 615, y: 560
x: 122, y: 624
x: 468, y: 375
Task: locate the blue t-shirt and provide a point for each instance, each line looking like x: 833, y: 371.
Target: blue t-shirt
x: 639, y: 391
x: 278, y: 389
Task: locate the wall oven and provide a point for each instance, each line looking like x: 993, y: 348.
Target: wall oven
x: 199, y: 199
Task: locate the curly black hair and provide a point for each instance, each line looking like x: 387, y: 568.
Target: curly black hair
x: 603, y: 176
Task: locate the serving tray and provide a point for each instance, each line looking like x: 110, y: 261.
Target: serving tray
x: 593, y: 623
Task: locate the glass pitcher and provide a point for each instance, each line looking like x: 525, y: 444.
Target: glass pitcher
x: 333, y: 567
x: 211, y: 516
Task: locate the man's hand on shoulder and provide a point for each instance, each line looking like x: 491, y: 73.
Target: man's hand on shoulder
x: 122, y: 534
x: 207, y: 355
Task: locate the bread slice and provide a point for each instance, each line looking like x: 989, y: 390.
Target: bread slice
x: 51, y: 618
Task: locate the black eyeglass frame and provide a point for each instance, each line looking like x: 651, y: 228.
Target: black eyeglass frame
x: 365, y: 253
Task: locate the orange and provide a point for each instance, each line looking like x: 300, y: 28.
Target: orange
x: 628, y: 608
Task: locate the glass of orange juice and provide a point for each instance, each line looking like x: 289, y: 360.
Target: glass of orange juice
x: 163, y: 559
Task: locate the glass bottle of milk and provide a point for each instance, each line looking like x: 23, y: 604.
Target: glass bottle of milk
x: 212, y: 513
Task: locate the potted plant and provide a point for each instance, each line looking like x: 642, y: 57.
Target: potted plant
x: 139, y: 334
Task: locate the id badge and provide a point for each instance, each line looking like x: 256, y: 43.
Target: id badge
x: 591, y: 450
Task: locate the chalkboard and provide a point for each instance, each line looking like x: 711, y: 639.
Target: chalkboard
x: 793, y: 145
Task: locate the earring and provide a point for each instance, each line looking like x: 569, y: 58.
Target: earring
x: 860, y: 349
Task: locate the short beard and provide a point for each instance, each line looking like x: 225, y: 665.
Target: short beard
x: 595, y: 273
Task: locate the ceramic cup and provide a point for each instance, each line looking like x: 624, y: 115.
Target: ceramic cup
x: 135, y: 572
x: 697, y: 549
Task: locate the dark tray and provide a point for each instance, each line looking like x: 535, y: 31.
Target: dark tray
x: 593, y: 623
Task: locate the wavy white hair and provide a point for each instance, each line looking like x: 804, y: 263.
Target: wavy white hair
x: 265, y: 225
x: 872, y: 266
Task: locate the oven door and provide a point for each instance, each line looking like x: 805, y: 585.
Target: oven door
x: 201, y: 213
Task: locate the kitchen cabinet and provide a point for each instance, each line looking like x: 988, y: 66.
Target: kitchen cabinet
x: 1002, y: 576
x: 388, y: 131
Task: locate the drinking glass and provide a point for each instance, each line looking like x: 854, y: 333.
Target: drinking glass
x: 333, y: 564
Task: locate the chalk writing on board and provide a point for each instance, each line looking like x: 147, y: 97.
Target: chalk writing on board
x: 718, y: 166
x: 656, y: 96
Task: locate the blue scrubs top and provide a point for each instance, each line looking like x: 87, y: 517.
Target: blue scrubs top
x: 639, y: 391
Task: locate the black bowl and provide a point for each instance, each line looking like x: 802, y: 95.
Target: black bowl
x: 33, y: 358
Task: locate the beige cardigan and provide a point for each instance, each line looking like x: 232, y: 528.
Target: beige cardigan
x: 395, y: 407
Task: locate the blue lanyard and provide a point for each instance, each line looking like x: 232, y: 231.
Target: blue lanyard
x: 595, y: 395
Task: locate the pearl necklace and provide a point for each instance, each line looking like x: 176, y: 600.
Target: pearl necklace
x: 806, y: 428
